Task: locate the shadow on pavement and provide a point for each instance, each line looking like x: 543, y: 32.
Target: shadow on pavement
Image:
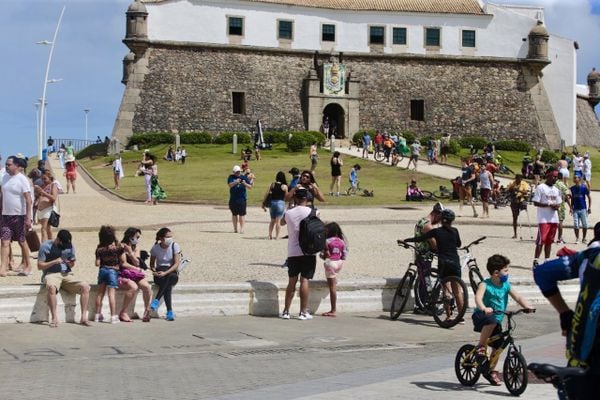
x: 447, y: 386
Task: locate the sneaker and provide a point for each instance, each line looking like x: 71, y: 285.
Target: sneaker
x: 304, y: 316
x: 284, y: 315
x: 170, y: 316
x: 98, y: 318
x: 154, y: 305
x: 583, y: 241
x: 461, y: 321
x: 577, y: 241
x: 535, y: 264
x: 114, y: 319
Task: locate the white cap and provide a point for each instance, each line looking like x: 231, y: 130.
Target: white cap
x: 146, y: 151
x: 236, y: 168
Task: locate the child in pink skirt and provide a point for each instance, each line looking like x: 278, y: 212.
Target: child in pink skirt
x: 334, y: 254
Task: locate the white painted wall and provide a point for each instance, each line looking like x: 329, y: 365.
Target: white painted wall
x: 205, y: 21
x: 560, y: 82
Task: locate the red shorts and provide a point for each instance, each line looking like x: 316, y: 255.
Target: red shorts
x: 546, y: 233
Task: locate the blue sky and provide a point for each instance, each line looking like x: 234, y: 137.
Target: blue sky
x: 88, y: 57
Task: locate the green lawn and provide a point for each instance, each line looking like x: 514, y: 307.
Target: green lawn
x: 203, y: 177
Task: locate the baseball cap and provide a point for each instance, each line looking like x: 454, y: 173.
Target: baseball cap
x: 236, y: 168
x: 65, y: 238
x: 552, y: 172
x: 438, y: 207
x: 586, y: 155
x: 294, y: 171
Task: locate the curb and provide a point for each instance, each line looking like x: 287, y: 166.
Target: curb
x: 22, y: 304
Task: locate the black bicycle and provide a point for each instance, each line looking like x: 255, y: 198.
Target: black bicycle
x: 467, y: 260
x: 557, y: 376
x: 469, y: 366
x: 446, y: 299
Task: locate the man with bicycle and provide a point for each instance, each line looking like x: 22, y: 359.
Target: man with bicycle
x: 579, y: 326
x: 424, y: 250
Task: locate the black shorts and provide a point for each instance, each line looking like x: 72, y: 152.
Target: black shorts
x: 238, y: 207
x: 448, y: 268
x: 480, y: 319
x: 517, y: 207
x: 302, y: 265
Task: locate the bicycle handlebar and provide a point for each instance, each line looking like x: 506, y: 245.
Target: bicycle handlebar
x: 405, y: 244
x: 519, y: 311
x: 473, y: 243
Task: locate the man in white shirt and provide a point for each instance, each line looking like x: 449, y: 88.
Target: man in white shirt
x: 577, y: 165
x: 587, y: 170
x: 547, y: 199
x: 16, y: 212
x: 298, y: 263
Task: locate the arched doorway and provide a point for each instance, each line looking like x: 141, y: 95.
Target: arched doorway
x: 337, y: 122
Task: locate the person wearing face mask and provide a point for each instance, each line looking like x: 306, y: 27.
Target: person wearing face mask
x: 547, y: 198
x: 164, y: 260
x: 56, y: 258
x: 492, y: 295
x: 136, y: 265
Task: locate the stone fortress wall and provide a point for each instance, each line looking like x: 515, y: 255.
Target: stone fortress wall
x: 188, y: 88
x: 588, y: 125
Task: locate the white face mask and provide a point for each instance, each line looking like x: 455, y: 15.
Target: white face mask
x: 134, y: 241
x: 168, y: 241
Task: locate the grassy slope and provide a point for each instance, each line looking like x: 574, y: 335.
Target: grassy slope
x: 203, y: 178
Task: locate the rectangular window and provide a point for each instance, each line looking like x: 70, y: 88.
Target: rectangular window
x: 238, y: 102
x: 236, y: 26
x: 285, y: 30
x: 328, y: 33
x: 399, y: 35
x: 376, y: 35
x: 468, y: 38
x: 417, y: 110
x: 432, y: 37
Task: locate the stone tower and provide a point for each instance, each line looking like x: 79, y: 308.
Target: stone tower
x: 538, y: 42
x: 136, y: 31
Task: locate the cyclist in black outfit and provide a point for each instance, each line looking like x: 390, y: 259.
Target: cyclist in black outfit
x: 448, y: 242
x: 579, y: 326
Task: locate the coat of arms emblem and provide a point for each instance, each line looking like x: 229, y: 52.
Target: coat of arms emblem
x: 334, y: 77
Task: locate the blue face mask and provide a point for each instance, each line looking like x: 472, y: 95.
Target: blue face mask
x: 504, y: 278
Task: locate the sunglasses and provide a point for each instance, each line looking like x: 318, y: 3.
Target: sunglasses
x: 306, y: 176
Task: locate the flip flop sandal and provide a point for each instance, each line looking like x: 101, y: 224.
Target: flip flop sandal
x: 328, y: 314
x: 53, y: 324
x: 493, y: 378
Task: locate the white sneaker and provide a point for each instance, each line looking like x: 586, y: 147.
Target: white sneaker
x: 98, y: 318
x: 577, y: 241
x: 114, y: 319
x: 284, y: 315
x: 304, y: 316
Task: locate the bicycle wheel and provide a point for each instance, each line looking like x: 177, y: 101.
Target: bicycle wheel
x: 466, y: 366
x: 422, y: 290
x: 475, y: 277
x: 446, y: 296
x: 401, y: 295
x: 441, y: 195
x: 515, y: 372
x: 379, y: 156
x: 427, y: 195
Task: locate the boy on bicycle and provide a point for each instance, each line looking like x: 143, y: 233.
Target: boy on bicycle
x: 491, y: 300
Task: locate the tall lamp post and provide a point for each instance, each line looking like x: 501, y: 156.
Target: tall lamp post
x: 43, y: 100
x: 86, y: 111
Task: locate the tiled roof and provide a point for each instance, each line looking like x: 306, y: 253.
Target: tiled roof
x: 419, y: 6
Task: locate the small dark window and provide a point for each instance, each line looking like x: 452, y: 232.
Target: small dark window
x: 238, y: 102
x: 468, y: 38
x: 377, y: 35
x: 285, y: 30
x: 399, y: 35
x: 432, y: 37
x: 236, y: 26
x: 328, y: 33
x: 417, y: 110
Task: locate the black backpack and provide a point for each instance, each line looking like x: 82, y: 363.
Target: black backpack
x: 312, y: 234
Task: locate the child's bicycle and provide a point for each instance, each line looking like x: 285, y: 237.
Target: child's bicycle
x: 557, y: 376
x: 469, y: 366
x: 441, y: 299
x: 467, y: 260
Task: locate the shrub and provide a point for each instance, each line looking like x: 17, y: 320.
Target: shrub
x: 275, y: 137
x: 296, y: 143
x: 514, y: 145
x: 454, y: 146
x: 315, y: 137
x: 357, y: 137
x: 409, y: 136
x: 196, y: 138
x: 94, y: 150
x: 150, y: 139
x: 227, y: 138
x: 477, y: 142
x: 550, y: 157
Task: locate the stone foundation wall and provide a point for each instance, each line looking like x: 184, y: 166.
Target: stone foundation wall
x: 189, y: 89
x: 588, y: 125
